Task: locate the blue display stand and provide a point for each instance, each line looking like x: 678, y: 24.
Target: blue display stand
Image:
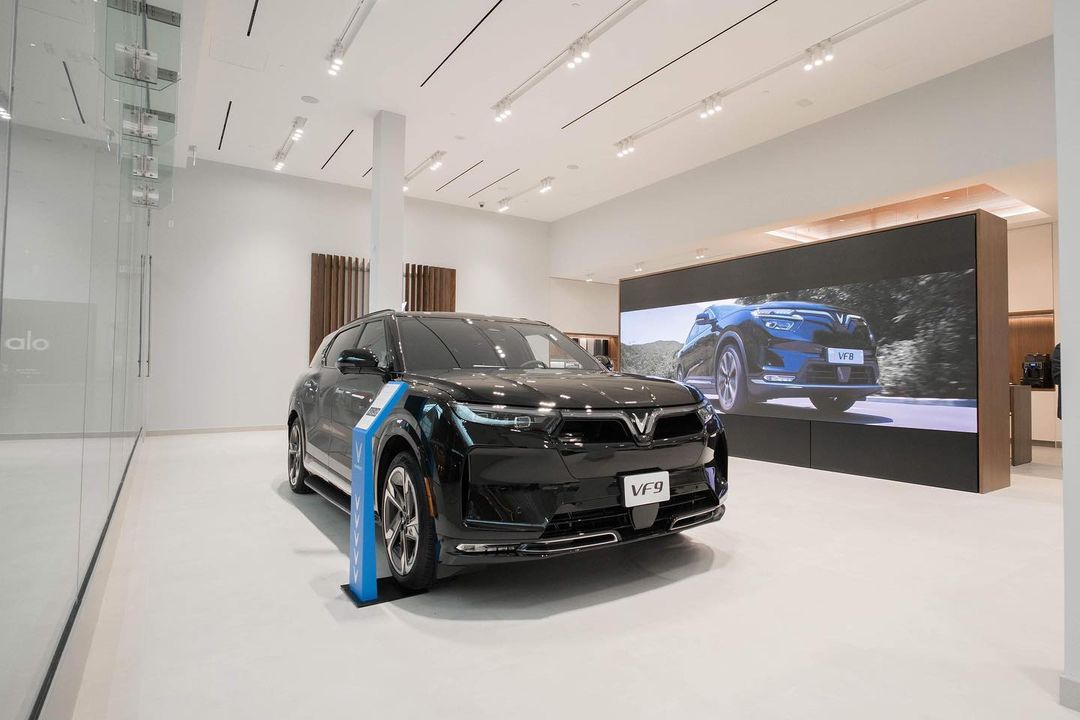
x: 364, y: 587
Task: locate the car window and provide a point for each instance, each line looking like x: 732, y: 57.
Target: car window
x: 345, y: 340
x: 695, y: 333
x: 373, y: 338
x: 434, y: 343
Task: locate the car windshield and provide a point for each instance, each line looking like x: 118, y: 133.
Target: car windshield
x: 440, y: 343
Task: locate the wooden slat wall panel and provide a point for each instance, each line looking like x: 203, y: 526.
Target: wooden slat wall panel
x: 339, y: 287
x: 430, y: 289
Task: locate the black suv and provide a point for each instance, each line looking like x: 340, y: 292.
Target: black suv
x: 512, y: 442
x: 753, y: 353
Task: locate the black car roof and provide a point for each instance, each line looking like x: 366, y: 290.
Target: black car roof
x: 450, y: 315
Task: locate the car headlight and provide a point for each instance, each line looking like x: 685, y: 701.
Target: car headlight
x: 512, y: 418
x: 782, y: 319
x: 706, y: 412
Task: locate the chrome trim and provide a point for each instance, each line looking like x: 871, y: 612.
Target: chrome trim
x: 805, y: 386
x: 691, y: 519
x: 328, y: 474
x: 547, y: 547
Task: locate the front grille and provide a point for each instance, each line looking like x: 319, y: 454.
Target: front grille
x: 822, y: 374
x: 673, y: 426
x: 617, y: 518
x: 585, y: 432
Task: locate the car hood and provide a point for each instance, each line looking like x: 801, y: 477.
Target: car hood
x: 570, y: 389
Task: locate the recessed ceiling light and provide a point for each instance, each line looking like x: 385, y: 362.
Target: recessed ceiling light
x: 311, y: 99
x: 459, y: 137
x: 946, y: 197
x: 573, y: 167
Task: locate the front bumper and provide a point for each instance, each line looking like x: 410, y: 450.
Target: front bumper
x: 579, y: 532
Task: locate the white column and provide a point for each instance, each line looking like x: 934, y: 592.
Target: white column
x: 1067, y: 97
x: 387, y: 251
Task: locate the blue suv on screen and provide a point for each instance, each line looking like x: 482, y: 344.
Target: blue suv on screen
x: 752, y: 353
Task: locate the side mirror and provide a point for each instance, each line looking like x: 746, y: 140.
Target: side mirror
x: 703, y: 319
x: 605, y: 361
x: 357, y: 360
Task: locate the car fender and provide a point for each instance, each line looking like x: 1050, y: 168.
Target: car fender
x: 725, y: 337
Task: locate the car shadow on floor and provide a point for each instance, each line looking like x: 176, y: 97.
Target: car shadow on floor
x: 537, y: 589
x: 543, y: 588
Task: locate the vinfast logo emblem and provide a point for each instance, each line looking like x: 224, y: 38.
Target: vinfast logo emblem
x: 641, y: 421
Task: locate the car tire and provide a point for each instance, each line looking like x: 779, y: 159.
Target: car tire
x: 297, y: 474
x: 407, y: 526
x: 730, y: 379
x: 832, y: 405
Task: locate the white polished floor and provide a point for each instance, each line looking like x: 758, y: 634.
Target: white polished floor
x: 818, y: 596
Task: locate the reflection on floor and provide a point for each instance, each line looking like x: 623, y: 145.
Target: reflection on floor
x: 819, y: 596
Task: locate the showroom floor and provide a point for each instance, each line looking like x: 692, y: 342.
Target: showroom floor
x: 818, y: 596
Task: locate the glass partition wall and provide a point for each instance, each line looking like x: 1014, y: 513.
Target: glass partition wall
x: 88, y: 96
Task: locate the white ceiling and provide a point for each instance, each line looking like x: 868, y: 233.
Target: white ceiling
x: 402, y: 41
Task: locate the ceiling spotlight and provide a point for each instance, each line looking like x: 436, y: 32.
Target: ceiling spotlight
x: 829, y: 55
x: 818, y: 60
x: 436, y: 160
x: 502, y: 110
x: 337, y: 59
x: 699, y: 254
x: 504, y: 206
x: 404, y: 188
x: 808, y: 64
x: 639, y: 268
x: 578, y: 52
x: 589, y: 277
x: 704, y: 110
x: 279, y: 166
x: 545, y: 184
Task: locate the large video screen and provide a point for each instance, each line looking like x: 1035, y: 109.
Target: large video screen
x: 896, y: 351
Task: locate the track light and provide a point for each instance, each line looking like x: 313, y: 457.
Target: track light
x: 624, y: 147
x: 295, y: 133
x: 545, y: 184
x: 432, y: 162
x: 699, y: 254
x: 502, y: 110
x: 345, y: 39
x: 818, y: 59
x: 639, y: 268
x: 808, y: 64
x: 710, y: 106
x: 578, y: 52
x: 589, y: 277
x: 828, y: 51
x: 504, y: 206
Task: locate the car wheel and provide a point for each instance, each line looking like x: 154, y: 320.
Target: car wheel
x: 408, y: 528
x: 297, y: 474
x: 730, y: 380
x: 834, y: 405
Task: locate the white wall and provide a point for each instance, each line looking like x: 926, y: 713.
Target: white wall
x: 1067, y: 85
x: 576, y: 306
x: 989, y: 116
x: 231, y: 281
x: 1033, y: 286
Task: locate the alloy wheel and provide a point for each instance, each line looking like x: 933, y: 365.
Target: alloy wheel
x: 295, y: 459
x: 401, y: 521
x: 727, y: 378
